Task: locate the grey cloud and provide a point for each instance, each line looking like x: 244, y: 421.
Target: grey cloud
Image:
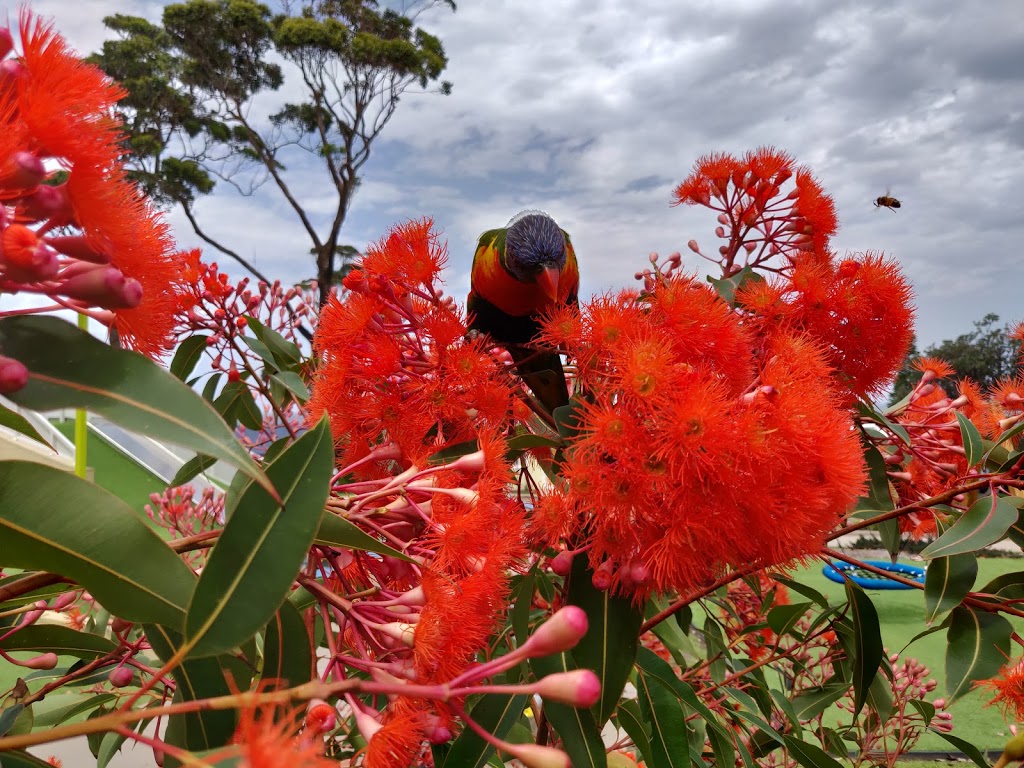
x: 594, y: 109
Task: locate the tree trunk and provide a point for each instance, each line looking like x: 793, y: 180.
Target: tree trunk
x: 324, y: 272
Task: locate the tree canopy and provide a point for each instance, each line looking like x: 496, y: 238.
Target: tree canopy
x: 191, y: 82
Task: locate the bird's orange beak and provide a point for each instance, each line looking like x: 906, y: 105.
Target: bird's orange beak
x: 548, y: 282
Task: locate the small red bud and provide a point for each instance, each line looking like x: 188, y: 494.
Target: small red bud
x: 121, y: 676
x: 233, y: 374
x: 13, y: 375
x: 559, y: 633
x: 536, y: 756
x: 562, y: 563
x: 579, y: 688
x: 46, y: 661
x: 6, y: 42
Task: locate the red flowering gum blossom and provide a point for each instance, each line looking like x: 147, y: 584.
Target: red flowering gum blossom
x: 705, y: 445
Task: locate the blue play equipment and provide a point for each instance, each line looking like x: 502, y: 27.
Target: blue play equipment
x: 835, y: 571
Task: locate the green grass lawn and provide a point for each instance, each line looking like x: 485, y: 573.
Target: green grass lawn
x: 901, y: 616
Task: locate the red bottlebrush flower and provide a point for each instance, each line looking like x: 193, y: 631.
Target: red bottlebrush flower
x: 395, y: 361
x: 411, y: 253
x: 693, y: 428
x: 1008, y: 394
x: 114, y: 216
x: 65, y: 103
x: 58, y: 107
x: 1008, y: 686
x: 933, y: 368
x: 860, y: 310
x: 265, y: 738
x: 19, y: 246
x: 399, y: 743
x: 758, y: 220
x: 710, y: 176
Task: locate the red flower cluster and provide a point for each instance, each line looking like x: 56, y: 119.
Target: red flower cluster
x: 400, y: 383
x: 60, y: 168
x: 929, y: 457
x: 749, y: 608
x: 394, y: 361
x: 858, y: 308
x: 701, y: 446
x: 1008, y: 686
x: 757, y: 220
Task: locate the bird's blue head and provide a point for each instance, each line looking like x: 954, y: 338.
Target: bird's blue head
x: 535, y: 250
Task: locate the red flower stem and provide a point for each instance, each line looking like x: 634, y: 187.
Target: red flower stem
x: 923, y: 505
x: 682, y: 602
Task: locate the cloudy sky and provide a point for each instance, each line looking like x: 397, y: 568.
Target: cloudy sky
x: 593, y: 109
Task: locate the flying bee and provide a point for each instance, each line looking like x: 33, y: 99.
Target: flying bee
x: 887, y: 201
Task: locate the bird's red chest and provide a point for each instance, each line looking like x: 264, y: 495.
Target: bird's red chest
x: 493, y: 282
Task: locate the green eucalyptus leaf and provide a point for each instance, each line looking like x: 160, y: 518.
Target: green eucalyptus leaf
x: 496, y: 713
x: 810, y: 755
x: 188, y: 355
x: 336, y: 531
x: 580, y: 734
x: 610, y: 645
x: 15, y: 421
x: 867, y: 643
x: 68, y: 368
x: 64, y: 641
x: 251, y: 568
x: 973, y: 448
x: 977, y: 645
x: 52, y: 520
x: 984, y: 523
x: 947, y: 581
x: 287, y: 653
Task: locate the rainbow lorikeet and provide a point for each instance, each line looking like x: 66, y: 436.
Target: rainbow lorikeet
x: 519, y: 272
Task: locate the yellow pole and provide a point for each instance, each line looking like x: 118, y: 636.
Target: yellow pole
x: 81, y: 426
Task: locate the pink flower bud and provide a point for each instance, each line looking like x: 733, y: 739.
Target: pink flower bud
x: 580, y: 687
x: 120, y: 677
x: 939, y: 703
x: 79, y: 247
x: 602, y: 578
x: 64, y: 600
x: 105, y: 287
x: 559, y: 633
x: 562, y: 563
x: 471, y: 462
x: 368, y: 725
x: 10, y: 71
x: 13, y: 375
x: 119, y: 625
x: 400, y: 631
x: 23, y: 170
x: 46, y: 202
x: 46, y: 661
x: 536, y: 756
x: 6, y: 42
x: 439, y: 735
x: 693, y: 246
x: 321, y: 717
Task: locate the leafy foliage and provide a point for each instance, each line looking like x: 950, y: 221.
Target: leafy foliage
x: 192, y: 80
